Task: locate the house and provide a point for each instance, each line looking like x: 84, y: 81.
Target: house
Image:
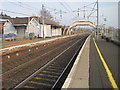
x: 21, y: 26
x: 6, y: 27
x: 54, y: 28
x: 26, y: 25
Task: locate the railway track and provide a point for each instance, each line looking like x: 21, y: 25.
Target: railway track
x: 16, y: 61
x: 47, y: 70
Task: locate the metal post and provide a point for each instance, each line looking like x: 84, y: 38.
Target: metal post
x: 39, y: 34
x: 61, y: 14
x: 97, y: 29
x: 2, y: 32
x: 105, y: 24
x: 84, y: 11
x: 43, y: 19
x: 28, y: 27
x: 78, y: 12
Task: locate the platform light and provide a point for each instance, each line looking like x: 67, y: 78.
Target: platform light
x: 8, y: 56
x: 29, y: 50
x: 17, y: 54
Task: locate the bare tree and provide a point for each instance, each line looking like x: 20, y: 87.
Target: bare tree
x: 46, y: 13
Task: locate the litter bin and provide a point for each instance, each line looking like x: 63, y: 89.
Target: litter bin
x: 31, y: 36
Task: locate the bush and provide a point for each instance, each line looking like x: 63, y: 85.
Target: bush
x: 108, y: 39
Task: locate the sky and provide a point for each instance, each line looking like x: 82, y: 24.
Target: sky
x: 107, y: 9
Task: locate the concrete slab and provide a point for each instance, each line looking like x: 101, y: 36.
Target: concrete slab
x: 88, y: 70
x: 98, y: 75
x: 79, y: 74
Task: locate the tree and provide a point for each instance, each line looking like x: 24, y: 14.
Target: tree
x: 4, y: 15
x: 46, y: 13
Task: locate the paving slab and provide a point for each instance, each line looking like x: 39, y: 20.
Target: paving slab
x: 88, y: 71
x: 79, y: 74
x: 98, y: 75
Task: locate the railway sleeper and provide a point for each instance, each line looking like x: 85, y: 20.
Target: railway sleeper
x: 50, y: 72
x: 37, y: 85
x: 54, y: 69
x: 38, y: 78
x: 48, y: 75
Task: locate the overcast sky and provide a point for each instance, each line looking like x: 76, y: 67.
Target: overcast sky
x: 107, y: 9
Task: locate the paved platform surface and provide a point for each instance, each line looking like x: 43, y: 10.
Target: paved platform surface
x: 19, y: 42
x: 98, y: 75
x: 4, y: 47
x: 79, y: 74
x: 89, y: 71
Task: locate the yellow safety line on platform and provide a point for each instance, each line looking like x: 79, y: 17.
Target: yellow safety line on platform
x: 111, y: 79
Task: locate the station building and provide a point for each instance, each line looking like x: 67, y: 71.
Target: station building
x: 23, y: 26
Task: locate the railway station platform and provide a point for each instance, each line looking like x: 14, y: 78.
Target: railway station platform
x: 7, y: 44
x: 95, y: 67
x: 11, y: 45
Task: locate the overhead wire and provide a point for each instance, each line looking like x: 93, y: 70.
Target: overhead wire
x: 87, y: 6
x: 28, y: 5
x: 65, y: 7
x: 14, y: 12
x: 93, y: 10
x: 21, y: 5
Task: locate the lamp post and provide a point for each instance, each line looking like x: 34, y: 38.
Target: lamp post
x: 43, y: 20
x: 97, y: 29
x: 2, y: 32
x: 28, y: 27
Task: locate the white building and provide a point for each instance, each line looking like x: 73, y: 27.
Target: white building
x: 7, y: 26
x: 26, y: 25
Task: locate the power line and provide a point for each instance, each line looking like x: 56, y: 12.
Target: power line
x: 65, y: 7
x: 78, y: 12
x: 14, y: 12
x: 90, y: 4
x: 61, y: 13
x: 56, y: 11
x: 21, y: 5
x: 86, y: 6
x: 93, y: 10
x: 68, y: 5
x: 29, y: 6
x: 84, y: 10
x: 53, y: 9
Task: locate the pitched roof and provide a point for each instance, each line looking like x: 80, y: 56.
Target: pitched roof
x: 24, y: 20
x: 2, y: 21
x: 46, y: 21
